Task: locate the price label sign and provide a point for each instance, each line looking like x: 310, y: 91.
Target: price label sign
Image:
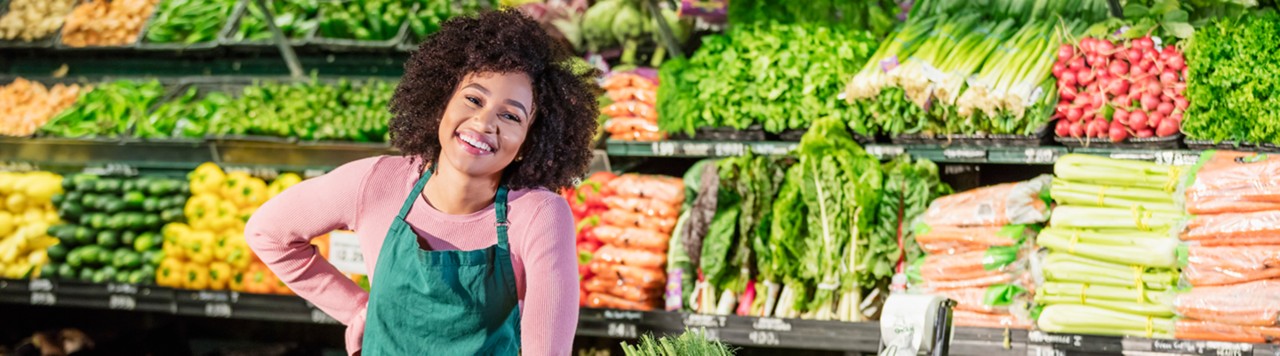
x: 1206, y: 348
x: 43, y: 298
x: 765, y: 338
x: 113, y: 169
x: 885, y: 151
x: 622, y: 330
x: 217, y: 310
x: 968, y: 154
x: 344, y: 252
x: 1041, y: 155
x: 122, y: 302
x: 7, y: 166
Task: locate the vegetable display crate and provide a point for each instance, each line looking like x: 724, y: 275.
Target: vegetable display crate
x: 58, y: 44
x: 227, y: 39
x: 205, y: 47
x: 1040, y: 138
x: 353, y: 45
x: 46, y: 42
x: 1167, y: 142
x: 1231, y: 145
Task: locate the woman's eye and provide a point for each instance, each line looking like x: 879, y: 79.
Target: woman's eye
x: 511, y: 117
x: 473, y: 100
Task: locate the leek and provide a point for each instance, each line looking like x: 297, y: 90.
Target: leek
x: 1134, y: 247
x: 1085, y: 194
x: 1114, y: 172
x: 1064, y: 267
x: 1081, y: 319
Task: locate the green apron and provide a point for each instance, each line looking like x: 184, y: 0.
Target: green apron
x: 442, y: 302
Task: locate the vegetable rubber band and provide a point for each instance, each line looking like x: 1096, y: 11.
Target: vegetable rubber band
x: 1137, y: 283
x: 1102, y: 195
x: 1150, y: 327
x: 1140, y: 215
x: 1075, y: 238
x: 1083, y: 287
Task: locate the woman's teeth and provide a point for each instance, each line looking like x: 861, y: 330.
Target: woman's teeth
x: 476, y: 143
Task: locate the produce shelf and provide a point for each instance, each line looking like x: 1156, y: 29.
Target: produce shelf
x: 47, y: 153
x: 735, y: 330
x: 1044, y: 155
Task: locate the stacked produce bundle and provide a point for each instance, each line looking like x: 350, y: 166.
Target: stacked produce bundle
x: 630, y: 108
x: 108, y: 110
x: 107, y: 23
x: 587, y: 201
x: 189, y: 21
x: 296, y: 19
x: 369, y: 20
x: 26, y: 213
x: 1112, y: 265
x: 1226, y: 72
x: 968, y: 73
x: 629, y: 270
x: 909, y: 187
x: 629, y: 23
x: 977, y: 247
x: 26, y: 105
x: 1119, y: 90
x: 1232, y: 258
x: 745, y: 78
x: 31, y: 20
x: 112, y: 226
x: 309, y: 110
x: 209, y: 250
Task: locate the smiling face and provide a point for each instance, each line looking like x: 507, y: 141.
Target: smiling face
x: 486, y: 122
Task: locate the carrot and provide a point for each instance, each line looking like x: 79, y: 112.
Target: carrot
x: 601, y: 300
x: 647, y: 96
x: 622, y: 218
x: 628, y: 80
x: 970, y: 299
x: 633, y: 238
x: 642, y: 206
x: 983, y: 281
x: 1003, y: 204
x: 1188, y: 329
x: 986, y: 320
x: 968, y: 265
x: 636, y: 276
x: 629, y: 257
x: 638, y: 135
x: 1254, y: 303
x: 631, y: 109
x: 625, y: 125
x: 956, y: 239
x: 664, y: 189
x: 1222, y: 265
x: 1262, y: 224
x: 620, y: 290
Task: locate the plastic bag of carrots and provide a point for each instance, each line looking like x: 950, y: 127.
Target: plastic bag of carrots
x: 1189, y: 329
x: 1234, y: 182
x: 1234, y: 229
x: 1003, y: 204
x: 968, y: 265
x: 1224, y: 265
x: 937, y: 240
x: 999, y: 298
x: 1254, y: 303
x: 989, y: 320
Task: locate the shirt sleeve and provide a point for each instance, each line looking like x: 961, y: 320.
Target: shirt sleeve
x: 550, y: 311
x: 281, y: 230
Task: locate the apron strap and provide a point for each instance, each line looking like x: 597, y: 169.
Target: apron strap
x: 413, y: 195
x: 500, y: 209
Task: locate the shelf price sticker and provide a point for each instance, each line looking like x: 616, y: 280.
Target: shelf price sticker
x: 1207, y: 348
x: 1041, y: 155
x: 122, y: 302
x: 113, y: 169
x: 267, y: 173
x: 965, y: 154
x: 345, y: 253
x: 8, y: 166
x: 40, y: 285
x: 217, y: 310
x: 1044, y: 350
x: 885, y: 151
x: 43, y: 298
x: 767, y: 338
x: 704, y: 321
x: 1175, y: 158
x: 622, y: 324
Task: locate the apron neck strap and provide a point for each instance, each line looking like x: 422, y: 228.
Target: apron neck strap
x: 499, y: 205
x: 413, y: 194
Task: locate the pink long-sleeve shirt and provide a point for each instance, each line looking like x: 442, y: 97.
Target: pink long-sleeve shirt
x: 365, y: 195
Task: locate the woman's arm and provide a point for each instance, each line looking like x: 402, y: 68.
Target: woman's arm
x: 550, y: 315
x: 281, y: 230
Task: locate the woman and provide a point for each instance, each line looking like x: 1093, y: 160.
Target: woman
x: 470, y: 250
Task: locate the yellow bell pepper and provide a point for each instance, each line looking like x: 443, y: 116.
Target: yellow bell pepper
x: 282, y: 182
x: 246, y: 212
x: 172, y: 240
x: 233, y: 184
x: 219, y: 275
x: 195, y: 276
x: 239, y: 255
x: 200, y: 206
x: 225, y: 215
x: 252, y: 193
x: 236, y: 283
x: 207, y: 178
x: 199, y: 246
x: 171, y: 272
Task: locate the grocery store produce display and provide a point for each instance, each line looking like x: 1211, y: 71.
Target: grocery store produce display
x: 107, y: 110
x: 978, y: 246
x: 107, y: 23
x: 1226, y: 79
x: 189, y: 22
x: 31, y: 20
x: 371, y: 20
x: 297, y: 19
x: 628, y: 271
x: 1120, y: 90
x: 25, y: 217
x: 111, y: 229
x: 25, y: 105
x: 629, y: 105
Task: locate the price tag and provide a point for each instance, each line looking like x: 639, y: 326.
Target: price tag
x: 622, y: 330
x: 344, y: 252
x: 704, y: 321
x: 40, y: 285
x: 965, y: 153
x: 1137, y: 156
x: 1174, y: 158
x: 113, y: 169
x: 122, y: 302
x: 260, y: 172
x: 695, y: 149
x: 663, y: 148
x: 1041, y: 155
x: 772, y: 324
x: 122, y: 288
x: 728, y: 149
x: 772, y: 149
x: 312, y: 173
x: 8, y: 166
x: 1207, y: 348
x: 1055, y: 339
x: 767, y: 338
x: 885, y: 152
x: 217, y: 310
x: 319, y: 317
x: 1044, y: 350
x: 43, y: 298
x: 622, y: 315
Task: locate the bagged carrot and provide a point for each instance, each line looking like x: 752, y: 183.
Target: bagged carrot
x: 997, y: 298
x: 640, y: 277
x: 647, y: 96
x: 620, y: 290
x: 643, y: 206
x: 1254, y: 303
x: 1004, y: 204
x: 989, y: 320
x: 631, y: 257
x: 1223, y: 265
x: 1189, y: 329
x: 633, y: 238
x: 622, y: 218
x: 621, y: 126
x: 1259, y: 226
x: 954, y: 239
x: 1234, y: 182
x: 631, y: 109
x: 967, y: 265
x: 602, y: 300
x: 663, y: 189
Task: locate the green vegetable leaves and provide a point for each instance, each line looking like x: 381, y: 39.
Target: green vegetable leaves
x: 1233, y: 81
x: 189, y: 21
x: 106, y: 111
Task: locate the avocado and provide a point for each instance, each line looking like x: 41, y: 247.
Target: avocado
x: 127, y: 237
x: 128, y: 185
x: 89, y: 200
x: 107, y: 185
x: 85, y: 236
x: 97, y: 220
x: 57, y: 253
x: 135, y: 221
x: 137, y: 277
x: 105, y: 274
x: 67, y: 237
x: 104, y: 256
x: 116, y: 221
x: 108, y: 239
x: 162, y: 187
x: 125, y: 258
x: 88, y: 255
x: 86, y: 185
x: 75, y: 258
x: 171, y: 215
x: 72, y: 195
x: 68, y: 183
x: 178, y: 201
x: 134, y: 200
x: 66, y: 272
x: 149, y: 271
x: 57, y: 199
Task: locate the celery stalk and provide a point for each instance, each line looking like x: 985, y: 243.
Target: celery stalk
x: 1113, y: 218
x: 1106, y: 171
x: 1064, y: 267
x: 1070, y: 318
x: 1087, y: 194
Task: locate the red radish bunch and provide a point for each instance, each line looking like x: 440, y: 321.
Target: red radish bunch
x: 1119, y: 91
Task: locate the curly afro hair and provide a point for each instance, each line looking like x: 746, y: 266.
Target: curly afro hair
x: 557, y: 148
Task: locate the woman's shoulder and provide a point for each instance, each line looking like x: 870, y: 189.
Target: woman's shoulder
x: 540, y: 202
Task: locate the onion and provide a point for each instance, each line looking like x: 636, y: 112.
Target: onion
x: 1149, y: 101
x: 1137, y: 120
x: 1065, y: 52
x: 1165, y: 108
